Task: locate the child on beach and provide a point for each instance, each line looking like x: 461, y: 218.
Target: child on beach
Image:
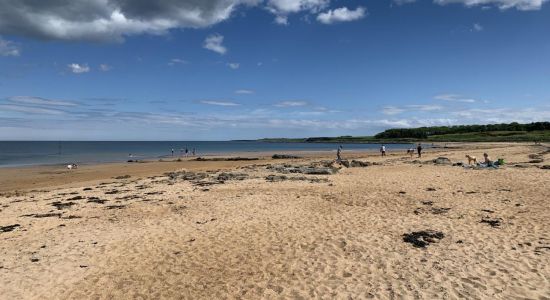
x: 383, y: 150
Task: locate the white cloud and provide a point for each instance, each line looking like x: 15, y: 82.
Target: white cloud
x: 244, y: 92
x: 177, y: 61
x: 282, y: 8
x: 342, y: 14
x: 105, y: 67
x: 477, y: 27
x: 110, y: 19
x: 454, y: 98
x: 392, y: 110
x: 293, y: 103
x: 8, y: 48
x: 219, y: 103
x: 233, y: 66
x: 501, y: 4
x: 214, y: 42
x: 78, y: 68
x: 40, y: 101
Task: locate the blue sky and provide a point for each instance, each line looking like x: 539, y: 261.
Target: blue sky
x: 243, y: 69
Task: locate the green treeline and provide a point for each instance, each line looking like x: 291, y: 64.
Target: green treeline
x: 427, y: 132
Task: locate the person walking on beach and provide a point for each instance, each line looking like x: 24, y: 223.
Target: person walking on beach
x: 339, y: 153
x: 172, y: 151
x: 383, y: 150
x: 186, y: 152
x: 419, y: 150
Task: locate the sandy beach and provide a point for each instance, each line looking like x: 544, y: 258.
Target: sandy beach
x: 389, y: 227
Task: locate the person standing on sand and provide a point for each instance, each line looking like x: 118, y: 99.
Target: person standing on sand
x: 383, y: 150
x: 419, y: 149
x: 172, y: 151
x: 186, y: 152
x: 338, y: 153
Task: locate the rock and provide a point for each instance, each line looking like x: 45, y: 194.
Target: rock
x: 184, y: 175
x: 123, y: 177
x: 9, y: 228
x: 115, y: 206
x: 442, y: 161
x: 421, y: 239
x: 46, y: 215
x: 231, y: 176
x: 458, y: 164
x: 60, y: 205
x: 545, y: 167
x: 360, y: 164
x: 430, y: 189
x: 87, y: 189
x: 96, y: 200
x: 276, y: 178
x: 76, y: 198
x: 536, y: 161
x: 284, y: 156
x: 492, y: 222
x: 345, y: 163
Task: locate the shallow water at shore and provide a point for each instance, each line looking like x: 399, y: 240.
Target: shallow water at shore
x: 14, y: 153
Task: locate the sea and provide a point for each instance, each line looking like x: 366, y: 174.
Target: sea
x: 32, y: 153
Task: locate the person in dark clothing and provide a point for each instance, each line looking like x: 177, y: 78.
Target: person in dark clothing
x: 338, y: 153
x: 419, y: 150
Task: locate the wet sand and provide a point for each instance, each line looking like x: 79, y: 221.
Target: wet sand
x: 387, y: 228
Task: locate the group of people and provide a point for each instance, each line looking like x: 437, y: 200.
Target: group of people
x: 410, y: 151
x: 186, y: 152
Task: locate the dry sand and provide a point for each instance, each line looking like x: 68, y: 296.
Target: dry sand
x: 310, y: 236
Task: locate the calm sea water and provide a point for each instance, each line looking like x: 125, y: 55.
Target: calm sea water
x: 51, y: 153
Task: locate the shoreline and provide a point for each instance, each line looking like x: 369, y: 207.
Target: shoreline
x: 35, y: 177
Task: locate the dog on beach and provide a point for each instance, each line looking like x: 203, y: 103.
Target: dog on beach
x: 72, y: 166
x: 471, y: 158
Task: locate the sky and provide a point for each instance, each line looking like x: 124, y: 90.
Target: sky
x: 247, y: 69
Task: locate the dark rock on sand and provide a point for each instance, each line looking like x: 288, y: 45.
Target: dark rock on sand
x: 360, y: 164
x: 9, y: 228
x: 231, y: 176
x: 87, y: 189
x: 62, y: 205
x: 442, y: 161
x: 492, y: 222
x: 545, y: 167
x: 76, y: 198
x: 115, y: 206
x: 284, y: 156
x: 96, y: 200
x: 46, y: 215
x: 123, y: 177
x: 421, y: 239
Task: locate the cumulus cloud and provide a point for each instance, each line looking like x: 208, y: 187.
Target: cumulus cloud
x: 219, y: 103
x: 342, y: 14
x: 110, y: 19
x: 214, y: 42
x: 78, y: 68
x: 292, y: 103
x: 8, y: 48
x: 234, y: 66
x: 282, y: 8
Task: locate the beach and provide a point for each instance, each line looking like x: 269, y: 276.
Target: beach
x: 391, y: 227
